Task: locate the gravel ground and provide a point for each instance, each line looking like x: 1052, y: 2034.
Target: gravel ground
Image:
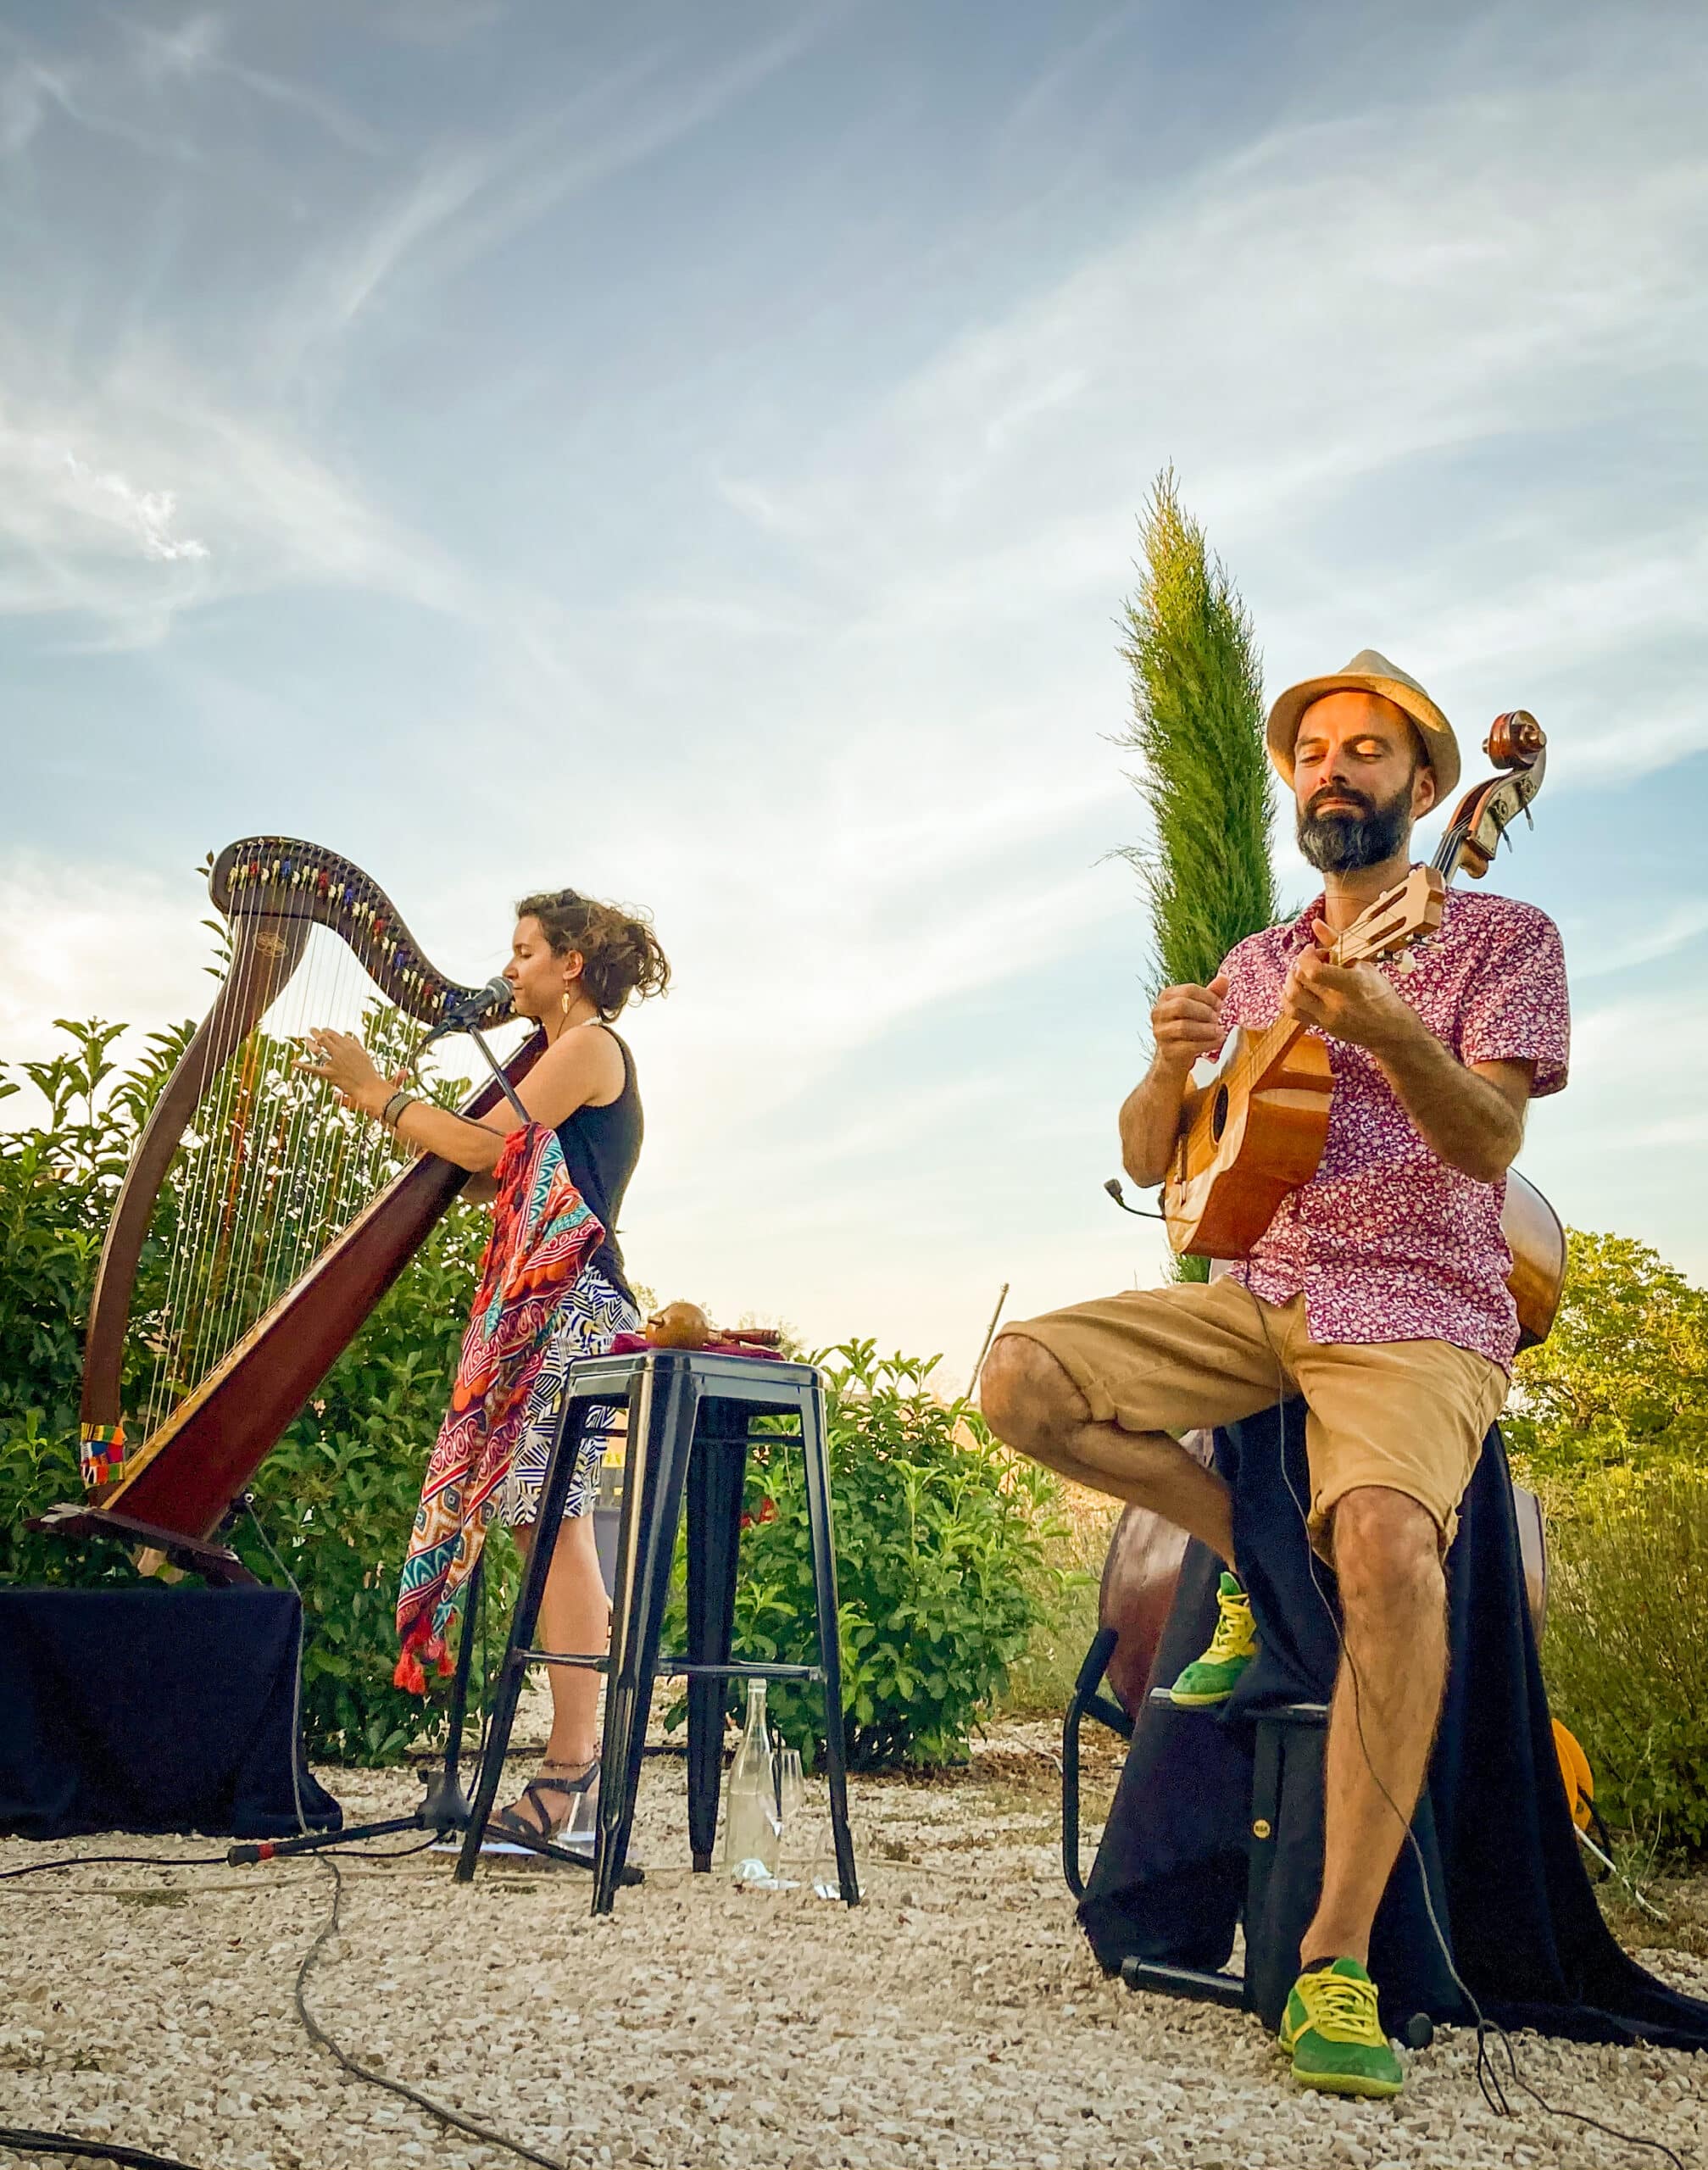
x: 956, y: 2019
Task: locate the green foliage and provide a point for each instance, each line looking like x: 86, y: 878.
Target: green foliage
x: 1609, y: 1421
x: 336, y: 1497
x: 1627, y: 1624
x: 940, y: 1538
x: 1197, y: 723
x: 1041, y: 1679
x: 1621, y: 1382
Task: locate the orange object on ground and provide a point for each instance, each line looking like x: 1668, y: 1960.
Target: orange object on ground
x: 1575, y: 1773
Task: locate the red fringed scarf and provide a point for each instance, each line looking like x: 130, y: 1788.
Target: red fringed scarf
x: 543, y: 1233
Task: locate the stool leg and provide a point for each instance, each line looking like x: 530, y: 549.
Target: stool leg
x: 661, y: 1429
x: 716, y: 1471
x: 816, y: 1460
x: 554, y: 1490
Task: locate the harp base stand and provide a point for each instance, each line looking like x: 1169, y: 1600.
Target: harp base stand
x: 197, y: 1555
x: 443, y: 1807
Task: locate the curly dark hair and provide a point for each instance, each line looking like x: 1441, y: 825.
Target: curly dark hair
x: 621, y: 956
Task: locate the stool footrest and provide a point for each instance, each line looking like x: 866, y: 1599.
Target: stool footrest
x: 1286, y: 1714
x: 674, y: 1668
x: 1195, y: 1982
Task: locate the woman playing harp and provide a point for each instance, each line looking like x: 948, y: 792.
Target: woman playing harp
x: 575, y: 964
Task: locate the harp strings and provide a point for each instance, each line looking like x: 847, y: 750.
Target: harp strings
x: 271, y: 1168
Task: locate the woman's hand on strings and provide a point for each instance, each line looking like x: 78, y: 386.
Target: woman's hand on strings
x: 339, y: 1059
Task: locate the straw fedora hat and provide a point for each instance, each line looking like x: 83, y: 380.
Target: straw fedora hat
x: 1368, y: 672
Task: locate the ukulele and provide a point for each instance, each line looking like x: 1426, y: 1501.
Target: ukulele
x: 1254, y: 1130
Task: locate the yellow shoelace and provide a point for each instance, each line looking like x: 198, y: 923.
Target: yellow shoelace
x: 1232, y: 1636
x: 1343, y: 2010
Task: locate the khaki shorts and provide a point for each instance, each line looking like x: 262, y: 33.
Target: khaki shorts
x: 1407, y: 1415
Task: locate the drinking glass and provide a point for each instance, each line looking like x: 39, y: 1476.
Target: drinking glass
x: 791, y: 1788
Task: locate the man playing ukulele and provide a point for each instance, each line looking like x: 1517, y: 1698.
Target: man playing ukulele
x: 1378, y: 1293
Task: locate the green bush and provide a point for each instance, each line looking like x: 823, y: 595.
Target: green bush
x: 941, y: 1576
x: 939, y: 1533
x: 336, y: 1496
x: 1621, y: 1380
x: 1628, y: 1623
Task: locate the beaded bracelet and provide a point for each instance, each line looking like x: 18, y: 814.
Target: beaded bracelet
x: 392, y: 1113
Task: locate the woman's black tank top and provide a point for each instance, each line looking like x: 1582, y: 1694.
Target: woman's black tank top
x: 601, y: 1146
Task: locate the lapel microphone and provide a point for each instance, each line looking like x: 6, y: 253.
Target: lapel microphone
x: 1138, y: 1213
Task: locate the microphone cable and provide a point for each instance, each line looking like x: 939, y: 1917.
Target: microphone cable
x: 329, y: 1928
x: 1489, y: 2078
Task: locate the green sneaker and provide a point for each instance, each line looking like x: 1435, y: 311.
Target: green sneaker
x: 1332, y: 2028
x: 1210, y: 1678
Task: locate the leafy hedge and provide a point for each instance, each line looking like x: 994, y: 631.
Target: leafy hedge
x: 1609, y: 1421
x: 336, y: 1497
x: 1627, y: 1624
x: 940, y: 1543
x: 939, y: 1533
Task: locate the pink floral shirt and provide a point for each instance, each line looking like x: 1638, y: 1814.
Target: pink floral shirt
x: 1386, y: 1241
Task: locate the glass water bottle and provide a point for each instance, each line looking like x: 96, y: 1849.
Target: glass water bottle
x: 753, y: 1829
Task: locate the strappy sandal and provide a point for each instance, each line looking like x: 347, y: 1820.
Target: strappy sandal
x: 530, y: 1819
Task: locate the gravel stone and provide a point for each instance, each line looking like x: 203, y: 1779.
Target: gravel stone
x: 956, y: 2019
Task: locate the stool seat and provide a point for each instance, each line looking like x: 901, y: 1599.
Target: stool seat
x: 689, y: 1416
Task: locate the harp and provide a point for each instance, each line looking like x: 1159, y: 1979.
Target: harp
x: 258, y: 1223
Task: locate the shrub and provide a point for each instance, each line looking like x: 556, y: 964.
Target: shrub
x: 1622, y: 1379
x: 336, y: 1496
x: 1041, y: 1679
x: 1628, y: 1623
x: 941, y: 1575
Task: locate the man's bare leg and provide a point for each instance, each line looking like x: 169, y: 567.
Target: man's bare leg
x: 1393, y: 1602
x: 1033, y: 1407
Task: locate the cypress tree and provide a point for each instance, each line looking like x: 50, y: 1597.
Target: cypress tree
x: 1197, y: 725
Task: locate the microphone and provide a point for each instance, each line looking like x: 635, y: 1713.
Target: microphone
x: 1113, y: 1187
x: 487, y: 1003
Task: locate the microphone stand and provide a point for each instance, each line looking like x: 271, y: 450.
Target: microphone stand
x: 509, y: 1090
x: 474, y: 1032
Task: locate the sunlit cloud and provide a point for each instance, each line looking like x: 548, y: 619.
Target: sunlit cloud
x: 705, y: 468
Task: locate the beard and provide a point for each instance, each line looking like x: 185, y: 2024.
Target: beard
x: 1346, y: 841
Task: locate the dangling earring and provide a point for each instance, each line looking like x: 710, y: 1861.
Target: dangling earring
x: 566, y: 1002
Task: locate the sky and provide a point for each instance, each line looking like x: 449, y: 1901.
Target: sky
x: 695, y: 452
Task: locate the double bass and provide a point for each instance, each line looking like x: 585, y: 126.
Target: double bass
x: 256, y: 1225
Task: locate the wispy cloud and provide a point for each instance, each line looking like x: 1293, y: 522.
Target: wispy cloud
x: 149, y: 495
x: 764, y: 525
x: 1673, y: 928
x: 469, y: 199
x: 197, y: 51
x: 1425, y: 289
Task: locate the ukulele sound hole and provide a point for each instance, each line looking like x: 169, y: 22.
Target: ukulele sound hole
x: 1218, y: 1113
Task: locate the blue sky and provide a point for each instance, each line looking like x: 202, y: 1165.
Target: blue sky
x: 693, y: 452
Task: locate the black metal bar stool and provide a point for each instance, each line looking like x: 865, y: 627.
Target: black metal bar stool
x: 1283, y: 1870
x: 690, y: 1412
x: 1284, y: 1863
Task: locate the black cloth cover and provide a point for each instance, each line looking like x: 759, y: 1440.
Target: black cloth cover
x: 151, y: 1710
x: 1505, y: 1865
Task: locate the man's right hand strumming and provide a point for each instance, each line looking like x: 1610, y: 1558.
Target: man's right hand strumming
x: 1186, y: 1024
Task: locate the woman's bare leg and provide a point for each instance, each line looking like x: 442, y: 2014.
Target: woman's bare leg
x: 575, y: 1615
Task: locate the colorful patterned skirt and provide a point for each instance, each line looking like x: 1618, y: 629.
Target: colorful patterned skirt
x: 589, y: 1315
